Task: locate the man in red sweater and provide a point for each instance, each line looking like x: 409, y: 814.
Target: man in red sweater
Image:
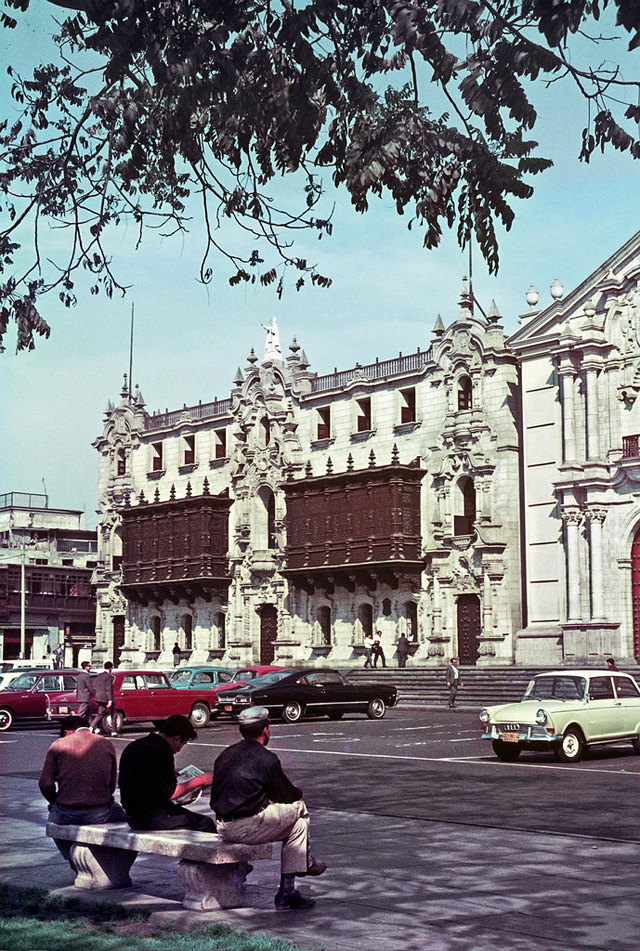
x: 79, y: 776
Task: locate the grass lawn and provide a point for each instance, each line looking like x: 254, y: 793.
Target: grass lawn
x: 33, y: 919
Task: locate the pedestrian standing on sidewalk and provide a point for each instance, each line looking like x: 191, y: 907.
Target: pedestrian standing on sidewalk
x: 402, y: 649
x: 103, y: 686
x: 368, y: 649
x: 84, y: 689
x: 378, y: 652
x: 177, y: 654
x: 453, y: 680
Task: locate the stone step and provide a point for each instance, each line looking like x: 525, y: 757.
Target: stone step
x: 481, y: 685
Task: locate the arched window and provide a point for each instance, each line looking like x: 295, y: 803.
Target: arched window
x: 265, y: 432
x: 187, y: 627
x: 222, y: 631
x: 365, y: 616
x: 465, y: 393
x: 465, y: 507
x: 386, y: 607
x: 263, y: 527
x: 324, y: 620
x: 121, y: 462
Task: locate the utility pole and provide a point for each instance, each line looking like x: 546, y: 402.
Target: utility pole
x: 22, y: 601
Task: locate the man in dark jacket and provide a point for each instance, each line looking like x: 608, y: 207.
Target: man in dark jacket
x: 255, y: 802
x: 103, y: 687
x: 148, y: 779
x: 84, y: 689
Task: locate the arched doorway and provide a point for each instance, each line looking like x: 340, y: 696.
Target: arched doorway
x: 468, y: 628
x: 635, y: 593
x: 268, y: 633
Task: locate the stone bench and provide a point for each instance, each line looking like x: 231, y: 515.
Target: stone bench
x: 212, y: 872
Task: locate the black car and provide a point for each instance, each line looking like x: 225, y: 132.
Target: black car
x: 312, y: 692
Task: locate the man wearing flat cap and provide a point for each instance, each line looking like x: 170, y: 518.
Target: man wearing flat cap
x: 255, y: 802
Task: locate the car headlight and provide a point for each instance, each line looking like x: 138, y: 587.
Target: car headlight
x: 485, y: 716
x: 541, y: 717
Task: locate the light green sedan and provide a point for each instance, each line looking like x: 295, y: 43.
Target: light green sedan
x: 566, y: 711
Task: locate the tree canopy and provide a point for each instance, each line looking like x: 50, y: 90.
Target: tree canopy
x: 152, y: 103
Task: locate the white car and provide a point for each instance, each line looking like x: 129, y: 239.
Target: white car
x: 566, y: 711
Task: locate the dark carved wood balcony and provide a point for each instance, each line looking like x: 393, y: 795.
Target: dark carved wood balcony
x: 355, y: 528
x: 49, y: 590
x: 176, y: 549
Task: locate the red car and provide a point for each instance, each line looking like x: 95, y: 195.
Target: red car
x: 245, y: 674
x: 145, y: 695
x: 30, y: 694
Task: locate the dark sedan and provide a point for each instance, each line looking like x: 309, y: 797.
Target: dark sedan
x: 312, y: 692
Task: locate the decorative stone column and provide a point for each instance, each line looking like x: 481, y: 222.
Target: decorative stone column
x: 596, y: 517
x: 572, y: 519
x: 568, y: 415
x: 593, y: 442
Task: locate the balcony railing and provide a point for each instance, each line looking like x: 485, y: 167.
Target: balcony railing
x: 374, y: 371
x: 631, y: 447
x: 200, y: 411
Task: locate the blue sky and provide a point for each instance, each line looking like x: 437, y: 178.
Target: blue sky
x: 386, y: 293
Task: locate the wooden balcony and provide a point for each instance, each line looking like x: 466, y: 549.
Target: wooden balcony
x: 176, y: 549
x: 355, y: 528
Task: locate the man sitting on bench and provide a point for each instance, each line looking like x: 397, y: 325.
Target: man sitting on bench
x: 148, y: 780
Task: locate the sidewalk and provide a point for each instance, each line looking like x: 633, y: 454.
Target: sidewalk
x: 391, y: 884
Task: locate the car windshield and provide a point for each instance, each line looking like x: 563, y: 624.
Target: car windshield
x: 556, y: 688
x: 180, y: 676
x: 25, y: 682
x: 268, y: 679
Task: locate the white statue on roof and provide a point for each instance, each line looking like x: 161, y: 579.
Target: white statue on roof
x: 272, y: 349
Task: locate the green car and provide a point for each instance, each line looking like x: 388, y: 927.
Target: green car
x: 566, y: 711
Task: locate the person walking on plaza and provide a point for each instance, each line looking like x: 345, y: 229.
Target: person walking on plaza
x: 402, y: 649
x: 368, y: 649
x: 78, y: 778
x: 103, y: 687
x: 453, y: 680
x: 611, y: 664
x: 177, y: 654
x: 148, y: 781
x: 84, y: 689
x: 378, y: 652
x: 255, y: 802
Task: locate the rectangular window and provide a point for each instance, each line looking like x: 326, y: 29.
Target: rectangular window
x: 408, y: 407
x: 156, y: 457
x: 324, y: 423
x: 364, y: 415
x: 122, y: 463
x: 220, y: 444
x: 189, y: 450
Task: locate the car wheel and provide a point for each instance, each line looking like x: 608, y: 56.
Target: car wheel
x: 6, y: 718
x: 114, y: 721
x: 571, y: 748
x: 291, y: 712
x: 376, y: 709
x: 200, y: 714
x: 507, y: 752
x: 336, y: 715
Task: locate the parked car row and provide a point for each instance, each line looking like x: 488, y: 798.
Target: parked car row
x: 201, y: 693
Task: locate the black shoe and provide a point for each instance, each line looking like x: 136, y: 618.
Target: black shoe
x: 292, y: 902
x: 314, y: 867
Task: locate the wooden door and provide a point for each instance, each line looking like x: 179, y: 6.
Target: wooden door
x: 268, y: 633
x: 468, y: 628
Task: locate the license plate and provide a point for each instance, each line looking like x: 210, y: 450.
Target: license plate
x: 510, y: 737
x: 228, y: 709
x: 62, y: 709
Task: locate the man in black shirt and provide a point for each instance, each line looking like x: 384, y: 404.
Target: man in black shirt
x: 255, y: 802
x: 148, y: 779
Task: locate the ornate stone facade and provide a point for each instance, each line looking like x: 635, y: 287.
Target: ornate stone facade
x: 580, y: 360
x: 432, y: 435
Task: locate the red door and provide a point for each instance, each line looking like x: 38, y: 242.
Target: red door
x: 468, y: 628
x: 268, y: 633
